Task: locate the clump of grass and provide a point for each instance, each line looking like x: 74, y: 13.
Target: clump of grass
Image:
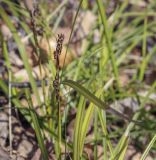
x: 101, y: 82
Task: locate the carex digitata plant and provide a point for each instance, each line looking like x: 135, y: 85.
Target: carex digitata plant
x: 56, y: 85
x: 37, y: 23
x: 82, y: 122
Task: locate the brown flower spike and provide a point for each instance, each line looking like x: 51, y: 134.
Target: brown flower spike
x: 57, y: 52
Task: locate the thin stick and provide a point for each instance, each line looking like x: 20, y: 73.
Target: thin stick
x: 9, y: 104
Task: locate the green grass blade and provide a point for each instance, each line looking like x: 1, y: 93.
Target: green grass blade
x: 8, y: 64
x: 86, y: 122
x: 108, y: 37
x: 95, y: 123
x: 22, y: 51
x: 145, y: 64
x: 37, y: 128
x: 74, y: 22
x: 78, y: 129
x: 144, y: 45
x: 15, y: 101
x: 120, y: 149
x: 135, y: 117
x: 104, y: 129
x: 85, y: 93
x: 143, y: 157
x: 85, y: 125
x: 92, y: 98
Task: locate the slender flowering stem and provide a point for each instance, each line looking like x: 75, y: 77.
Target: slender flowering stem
x: 56, y: 85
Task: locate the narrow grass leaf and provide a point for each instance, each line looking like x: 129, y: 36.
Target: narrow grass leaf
x: 120, y: 149
x: 108, y: 37
x: 22, y: 51
x: 37, y: 127
x: 85, y: 125
x: 143, y: 157
x: 78, y: 129
x: 92, y: 98
x: 104, y: 129
x: 72, y: 30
